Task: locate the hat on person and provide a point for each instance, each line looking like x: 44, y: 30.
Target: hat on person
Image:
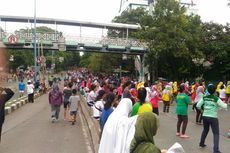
x: 29, y: 81
x: 211, y: 89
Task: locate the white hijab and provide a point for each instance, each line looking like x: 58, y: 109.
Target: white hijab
x: 119, y: 129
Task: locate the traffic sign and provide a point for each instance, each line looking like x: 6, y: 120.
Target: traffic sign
x: 39, y: 59
x: 12, y: 39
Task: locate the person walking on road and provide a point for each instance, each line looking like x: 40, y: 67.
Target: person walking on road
x: 67, y: 92
x: 199, y: 95
x: 182, y: 102
x: 21, y: 88
x: 55, y: 100
x: 211, y: 104
x: 166, y: 95
x: 4, y: 97
x: 30, y: 91
x: 155, y: 97
x: 74, y: 104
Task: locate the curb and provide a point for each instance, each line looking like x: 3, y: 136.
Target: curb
x: 17, y: 103
x: 92, y: 124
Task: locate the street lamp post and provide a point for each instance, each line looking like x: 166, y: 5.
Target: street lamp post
x: 35, y: 45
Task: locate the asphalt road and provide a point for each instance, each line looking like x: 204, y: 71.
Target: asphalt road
x: 166, y: 135
x: 29, y: 130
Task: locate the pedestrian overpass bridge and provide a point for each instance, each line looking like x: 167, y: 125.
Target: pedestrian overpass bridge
x: 60, y: 41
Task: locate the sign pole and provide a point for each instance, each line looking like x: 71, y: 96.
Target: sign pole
x: 35, y: 45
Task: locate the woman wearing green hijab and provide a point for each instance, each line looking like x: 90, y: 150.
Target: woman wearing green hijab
x: 145, y: 128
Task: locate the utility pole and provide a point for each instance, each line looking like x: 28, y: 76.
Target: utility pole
x: 35, y: 45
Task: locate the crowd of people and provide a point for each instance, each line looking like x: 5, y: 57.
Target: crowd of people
x: 127, y: 110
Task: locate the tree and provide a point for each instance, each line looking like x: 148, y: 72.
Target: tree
x: 215, y: 46
x: 173, y: 39
x: 131, y: 16
x: 22, y: 58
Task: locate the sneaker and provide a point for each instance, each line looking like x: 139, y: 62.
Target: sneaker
x: 184, y: 136
x: 53, y: 120
x: 202, y: 146
x: 177, y: 134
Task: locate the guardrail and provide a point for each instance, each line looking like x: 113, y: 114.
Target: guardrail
x: 12, y: 105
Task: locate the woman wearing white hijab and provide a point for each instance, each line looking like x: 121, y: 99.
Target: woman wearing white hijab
x: 119, y: 129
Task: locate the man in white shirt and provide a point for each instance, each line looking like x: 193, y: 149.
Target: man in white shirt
x: 30, y: 91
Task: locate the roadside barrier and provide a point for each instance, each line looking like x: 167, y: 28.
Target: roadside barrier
x: 13, y: 105
x: 92, y: 124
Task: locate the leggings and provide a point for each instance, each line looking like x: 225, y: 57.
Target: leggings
x: 182, y: 119
x: 166, y: 106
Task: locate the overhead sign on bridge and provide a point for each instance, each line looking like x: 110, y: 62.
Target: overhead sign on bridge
x: 12, y: 39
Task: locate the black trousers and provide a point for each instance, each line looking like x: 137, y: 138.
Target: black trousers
x: 0, y: 131
x: 31, y: 98
x: 214, y: 123
x: 198, y: 114
x: 166, y: 106
x: 155, y: 110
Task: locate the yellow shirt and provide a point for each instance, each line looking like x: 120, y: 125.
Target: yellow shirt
x: 175, y: 87
x: 218, y: 86
x: 146, y: 107
x: 166, y: 96
x: 228, y: 90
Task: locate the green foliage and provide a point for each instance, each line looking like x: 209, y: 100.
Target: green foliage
x: 216, y: 42
x: 173, y: 39
x: 132, y: 16
x: 85, y: 61
x: 101, y: 62
x: 21, y: 58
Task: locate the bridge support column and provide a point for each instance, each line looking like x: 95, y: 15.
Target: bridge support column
x: 139, y: 64
x: 0, y: 31
x: 142, y: 74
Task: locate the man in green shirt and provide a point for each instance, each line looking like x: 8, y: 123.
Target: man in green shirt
x: 211, y: 104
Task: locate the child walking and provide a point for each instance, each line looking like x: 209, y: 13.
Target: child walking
x: 74, y: 103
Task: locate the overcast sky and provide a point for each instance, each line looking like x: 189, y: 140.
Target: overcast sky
x: 100, y: 10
